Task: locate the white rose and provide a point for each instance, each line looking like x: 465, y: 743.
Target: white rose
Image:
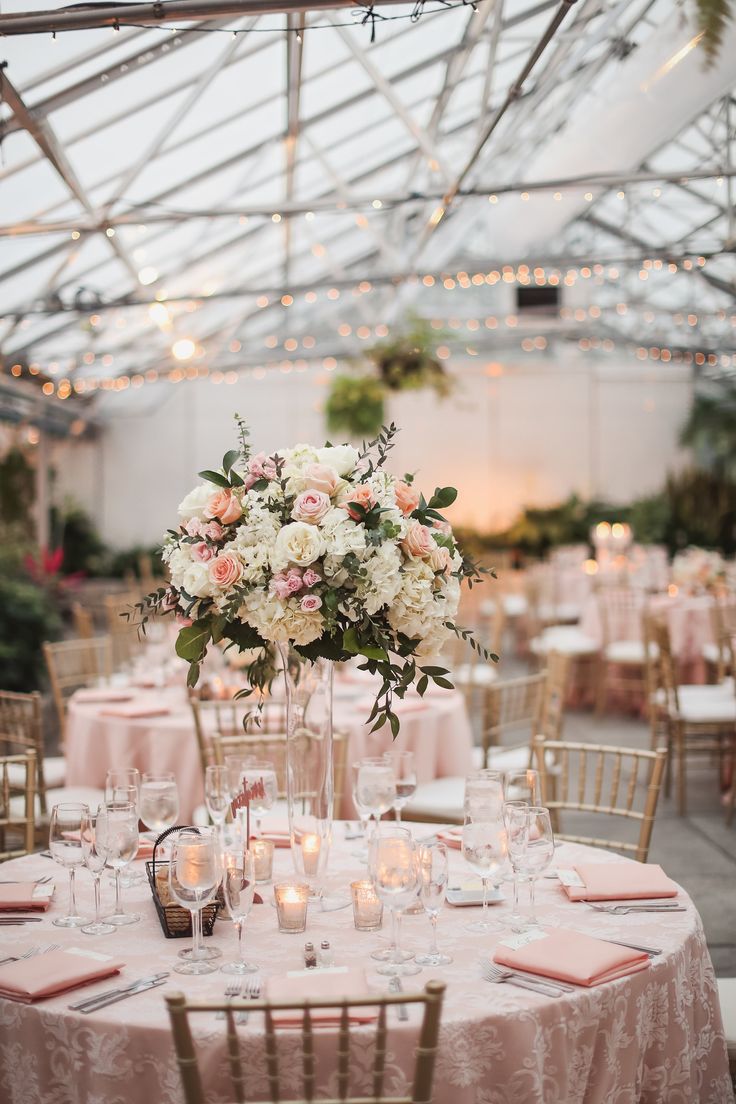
x: 299, y: 544
x: 195, y: 580
x: 194, y: 503
x: 342, y: 458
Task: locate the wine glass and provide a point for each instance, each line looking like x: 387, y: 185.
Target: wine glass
x: 65, y: 844
x: 238, y: 884
x: 484, y: 848
x: 265, y: 772
x: 523, y: 785
x: 375, y: 786
x: 434, y: 873
x: 364, y: 813
x: 95, y: 858
x: 538, y: 853
x: 393, y: 864
x: 194, y: 875
x: 116, y: 831
x: 405, y: 778
x: 484, y: 792
x: 516, y: 819
x: 217, y: 795
x: 123, y: 784
x: 159, y: 803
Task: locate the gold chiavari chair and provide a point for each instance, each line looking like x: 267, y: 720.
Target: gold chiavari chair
x: 512, y: 705
x: 233, y: 717
x: 121, y: 625
x: 623, y: 655
x: 17, y: 825
x: 73, y: 664
x: 180, y: 1011
x: 271, y: 747
x: 716, y: 654
x: 21, y: 731
x: 698, y: 719
x: 83, y: 623
x: 613, y: 787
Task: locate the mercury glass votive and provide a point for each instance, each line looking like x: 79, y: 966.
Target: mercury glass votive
x: 262, y: 850
x: 367, y: 908
x: 291, y: 905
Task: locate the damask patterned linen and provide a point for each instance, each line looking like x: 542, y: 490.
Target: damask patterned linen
x: 653, y: 1038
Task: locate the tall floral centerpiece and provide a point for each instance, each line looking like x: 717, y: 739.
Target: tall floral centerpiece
x: 324, y: 553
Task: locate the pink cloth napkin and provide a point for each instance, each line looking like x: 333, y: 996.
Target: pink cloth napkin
x: 621, y: 881
x: 45, y: 975
x: 137, y: 709
x: 20, y: 896
x: 573, y: 957
x: 320, y: 985
x: 452, y: 837
x: 103, y: 695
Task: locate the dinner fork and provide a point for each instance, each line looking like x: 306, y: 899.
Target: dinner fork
x: 232, y: 989
x: 36, y: 881
x: 32, y: 952
x: 498, y: 976
x: 251, y: 991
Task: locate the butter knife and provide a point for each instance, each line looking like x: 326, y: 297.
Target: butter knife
x: 143, y: 988
x: 395, y: 986
x: 81, y: 1005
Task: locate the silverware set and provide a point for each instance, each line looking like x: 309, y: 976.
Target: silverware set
x: 499, y: 976
x: 31, y: 953
x: 36, y: 881
x: 624, y: 910
x: 9, y: 921
x: 249, y: 988
x: 112, y: 996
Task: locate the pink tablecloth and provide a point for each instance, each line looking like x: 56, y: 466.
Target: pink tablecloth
x: 653, y: 1038
x: 436, y: 729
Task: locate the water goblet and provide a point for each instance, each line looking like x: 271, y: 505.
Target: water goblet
x: 65, y: 844
x: 538, y: 853
x: 123, y: 784
x: 364, y: 813
x: 375, y: 786
x: 95, y: 858
x: 484, y: 793
x: 523, y: 785
x: 405, y: 778
x: 194, y: 875
x: 484, y: 848
x: 217, y: 795
x: 434, y: 873
x: 159, y: 801
x: 238, y: 884
x: 393, y: 864
x: 116, y: 830
x: 516, y: 819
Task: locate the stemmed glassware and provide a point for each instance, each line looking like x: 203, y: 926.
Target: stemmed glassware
x: 484, y: 793
x: 393, y: 864
x: 159, y: 801
x: 538, y: 853
x: 516, y: 819
x: 244, y: 770
x: 238, y: 884
x: 123, y: 784
x: 217, y: 795
x: 523, y: 785
x: 364, y: 813
x: 95, y: 858
x: 65, y: 844
x: 194, y: 875
x: 405, y: 778
x: 484, y: 848
x: 375, y: 786
x: 433, y: 871
x: 116, y: 832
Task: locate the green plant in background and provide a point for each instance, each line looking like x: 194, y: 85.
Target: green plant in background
x: 82, y: 547
x: 702, y: 511
x: 409, y: 362
x: 713, y: 17
x: 29, y: 616
x: 355, y: 405
x: 17, y: 489
x: 710, y: 430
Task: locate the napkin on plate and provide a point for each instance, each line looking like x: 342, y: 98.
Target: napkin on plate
x: 137, y: 709
x: 618, y: 881
x: 569, y: 956
x: 451, y: 837
x: 103, y: 694
x: 338, y: 982
x: 26, y: 895
x: 45, y: 975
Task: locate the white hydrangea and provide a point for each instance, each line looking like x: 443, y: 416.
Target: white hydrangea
x: 383, y: 580
x: 280, y: 622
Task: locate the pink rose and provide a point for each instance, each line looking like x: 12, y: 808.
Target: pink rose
x: 321, y: 477
x: 225, y: 506
x: 260, y: 466
x: 280, y: 587
x: 440, y: 559
x: 311, y: 578
x: 169, y: 601
x: 407, y: 497
x: 225, y: 570
x: 361, y: 494
x: 443, y: 526
x: 418, y: 542
x: 310, y: 506
x: 310, y: 603
x: 194, y: 527
x: 213, y: 531
x: 202, y: 552
x: 293, y: 582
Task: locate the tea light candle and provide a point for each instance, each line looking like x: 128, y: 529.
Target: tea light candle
x: 367, y: 908
x: 291, y: 906
x: 262, y: 859
x: 311, y: 846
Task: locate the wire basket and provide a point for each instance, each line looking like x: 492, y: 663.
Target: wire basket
x: 176, y: 921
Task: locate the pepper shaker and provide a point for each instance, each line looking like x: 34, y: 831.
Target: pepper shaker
x: 310, y: 956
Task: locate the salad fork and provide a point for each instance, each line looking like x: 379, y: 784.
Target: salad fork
x: 251, y: 991
x: 232, y: 989
x: 32, y: 952
x: 498, y: 976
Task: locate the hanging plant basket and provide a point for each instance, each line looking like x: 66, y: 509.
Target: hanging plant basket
x: 355, y: 405
x: 409, y: 361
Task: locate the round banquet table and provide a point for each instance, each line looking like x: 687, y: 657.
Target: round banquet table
x: 654, y: 1037
x: 436, y: 728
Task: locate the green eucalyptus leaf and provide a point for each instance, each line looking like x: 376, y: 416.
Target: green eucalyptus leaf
x: 214, y: 477
x: 192, y: 642
x: 229, y: 459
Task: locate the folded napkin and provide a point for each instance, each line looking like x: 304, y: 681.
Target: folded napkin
x: 618, y: 881
x: 45, y: 975
x: 338, y: 982
x: 103, y: 694
x: 145, y: 846
x: 26, y: 895
x: 569, y: 956
x: 278, y: 833
x: 451, y: 837
x: 137, y: 709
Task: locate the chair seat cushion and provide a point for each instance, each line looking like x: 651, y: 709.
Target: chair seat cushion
x: 515, y: 605
x: 441, y: 799
x: 564, y: 613
x: 727, y: 998
x: 473, y: 674
x: 717, y: 708
x: 712, y: 654
x: 567, y: 639
x: 629, y: 651
x: 54, y: 772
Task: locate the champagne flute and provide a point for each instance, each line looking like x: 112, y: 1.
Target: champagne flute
x: 159, y: 804
x: 405, y: 778
x: 523, y: 785
x: 484, y: 848
x: 375, y: 786
x: 265, y: 772
x: 238, y: 884
x: 95, y: 858
x: 65, y: 844
x: 538, y: 853
x: 217, y: 795
x: 393, y: 864
x: 516, y: 819
x: 434, y: 873
x: 123, y: 784
x: 484, y: 793
x: 116, y: 830
x: 194, y: 875
x: 364, y: 813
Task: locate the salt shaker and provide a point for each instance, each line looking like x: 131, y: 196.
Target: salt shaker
x: 325, y: 956
x: 310, y: 956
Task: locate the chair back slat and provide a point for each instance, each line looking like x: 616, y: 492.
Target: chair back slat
x: 615, y: 780
x: 600, y: 763
x: 308, y: 1069
x: 272, y: 1057
x: 74, y: 664
x: 379, y: 1055
x: 510, y: 705
x: 17, y: 830
x: 233, y: 1057
x: 582, y: 776
x: 343, y: 1055
x: 233, y: 717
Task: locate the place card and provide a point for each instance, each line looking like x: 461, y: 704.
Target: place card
x: 570, y: 878
x: 515, y: 942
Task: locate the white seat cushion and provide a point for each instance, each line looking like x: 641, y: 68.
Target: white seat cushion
x: 694, y: 692
x: 702, y: 710
x: 83, y: 795
x: 727, y: 998
x: 473, y: 674
x: 478, y: 758
x: 629, y: 651
x: 567, y: 639
x: 509, y: 759
x: 54, y: 772
x: 515, y: 605
x: 566, y: 612
x: 710, y: 654
x: 439, y: 799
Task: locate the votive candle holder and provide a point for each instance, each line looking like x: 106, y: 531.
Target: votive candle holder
x: 291, y: 906
x: 367, y: 907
